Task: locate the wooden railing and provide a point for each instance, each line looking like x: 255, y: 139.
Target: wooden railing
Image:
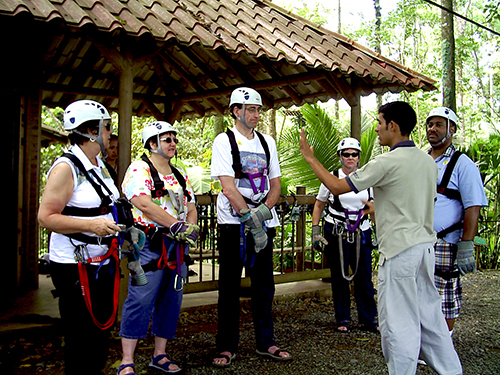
x: 294, y: 259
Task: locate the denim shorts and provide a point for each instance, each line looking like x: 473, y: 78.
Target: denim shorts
x: 158, y: 301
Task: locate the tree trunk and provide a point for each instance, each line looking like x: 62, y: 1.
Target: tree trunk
x: 219, y: 124
x: 448, y: 56
x: 377, y: 47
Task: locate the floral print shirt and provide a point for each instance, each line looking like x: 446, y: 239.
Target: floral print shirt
x: 138, y: 181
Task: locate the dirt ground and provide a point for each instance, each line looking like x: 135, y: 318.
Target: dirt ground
x: 305, y: 326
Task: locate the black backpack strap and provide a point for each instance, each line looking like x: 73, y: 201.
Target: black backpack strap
x: 337, y: 205
x: 235, y: 152
x: 159, y: 186
x: 451, y: 228
x: 442, y: 188
x: 106, y: 200
x: 265, y: 147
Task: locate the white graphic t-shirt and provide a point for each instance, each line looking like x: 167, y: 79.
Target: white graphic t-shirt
x: 253, y: 160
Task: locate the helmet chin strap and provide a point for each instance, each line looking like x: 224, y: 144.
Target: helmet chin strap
x: 445, y: 138
x: 97, y: 138
x: 242, y: 117
x: 159, y: 150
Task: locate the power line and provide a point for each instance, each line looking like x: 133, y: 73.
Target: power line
x: 462, y: 17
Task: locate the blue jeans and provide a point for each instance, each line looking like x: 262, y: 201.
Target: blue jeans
x: 363, y: 286
x: 157, y: 300
x: 261, y: 291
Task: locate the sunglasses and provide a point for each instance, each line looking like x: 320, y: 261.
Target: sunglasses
x: 353, y: 154
x: 169, y: 139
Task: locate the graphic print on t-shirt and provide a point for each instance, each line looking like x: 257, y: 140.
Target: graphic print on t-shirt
x: 252, y: 163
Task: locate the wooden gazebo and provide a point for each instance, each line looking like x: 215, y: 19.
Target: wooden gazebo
x: 171, y: 59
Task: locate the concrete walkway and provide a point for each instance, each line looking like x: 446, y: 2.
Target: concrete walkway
x: 38, y: 308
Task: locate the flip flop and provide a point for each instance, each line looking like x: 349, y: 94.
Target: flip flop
x: 229, y: 360
x: 122, y: 367
x: 343, y: 325
x: 164, y: 366
x: 274, y: 356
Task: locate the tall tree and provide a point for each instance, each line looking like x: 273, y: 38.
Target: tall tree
x: 378, y: 45
x: 448, y: 55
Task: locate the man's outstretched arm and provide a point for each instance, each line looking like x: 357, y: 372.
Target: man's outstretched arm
x: 335, y: 185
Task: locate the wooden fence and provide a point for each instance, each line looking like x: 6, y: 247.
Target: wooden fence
x: 294, y: 259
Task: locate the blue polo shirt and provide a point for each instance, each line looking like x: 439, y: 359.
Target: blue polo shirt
x: 467, y: 180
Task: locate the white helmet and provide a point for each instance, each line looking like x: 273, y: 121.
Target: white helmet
x: 347, y: 143
x: 449, y: 115
x: 444, y: 112
x: 155, y: 129
x: 245, y: 95
x: 81, y: 111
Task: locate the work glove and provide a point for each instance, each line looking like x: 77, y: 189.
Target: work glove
x: 184, y: 232
x: 136, y: 240
x: 253, y: 217
x: 319, y: 241
x: 465, y: 257
x: 259, y: 237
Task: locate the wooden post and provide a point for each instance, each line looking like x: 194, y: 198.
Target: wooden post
x: 356, y: 118
x: 125, y: 145
x: 125, y: 117
x: 301, y: 226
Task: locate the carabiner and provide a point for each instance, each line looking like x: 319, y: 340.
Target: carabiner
x: 176, y: 282
x: 351, y: 236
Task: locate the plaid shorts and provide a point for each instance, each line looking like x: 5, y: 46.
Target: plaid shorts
x: 450, y: 290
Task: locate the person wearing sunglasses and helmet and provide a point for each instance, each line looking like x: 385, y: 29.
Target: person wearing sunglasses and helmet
x: 164, y: 209
x: 76, y: 207
x: 347, y: 242
x: 459, y: 200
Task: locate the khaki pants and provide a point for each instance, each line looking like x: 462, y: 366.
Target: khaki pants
x: 410, y: 317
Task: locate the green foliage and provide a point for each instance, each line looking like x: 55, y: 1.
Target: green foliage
x: 318, y: 13
x: 487, y: 156
x: 323, y: 134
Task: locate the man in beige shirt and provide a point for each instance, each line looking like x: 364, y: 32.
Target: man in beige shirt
x: 404, y: 186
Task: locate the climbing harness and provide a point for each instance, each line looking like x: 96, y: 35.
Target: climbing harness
x: 172, y: 254
x: 346, y: 229
x: 443, y: 189
x: 356, y: 236
x: 81, y: 254
x: 258, y: 194
x: 84, y: 280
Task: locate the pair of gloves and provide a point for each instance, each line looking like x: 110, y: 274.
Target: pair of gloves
x: 253, y: 219
x: 183, y: 231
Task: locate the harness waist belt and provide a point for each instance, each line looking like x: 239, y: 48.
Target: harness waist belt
x: 90, y: 239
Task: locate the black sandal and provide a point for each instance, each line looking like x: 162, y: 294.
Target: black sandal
x: 275, y: 355
x: 373, y: 327
x: 229, y: 360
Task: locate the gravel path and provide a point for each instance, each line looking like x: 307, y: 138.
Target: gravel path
x: 303, y: 326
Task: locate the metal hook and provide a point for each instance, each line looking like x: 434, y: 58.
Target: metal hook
x: 176, y: 282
